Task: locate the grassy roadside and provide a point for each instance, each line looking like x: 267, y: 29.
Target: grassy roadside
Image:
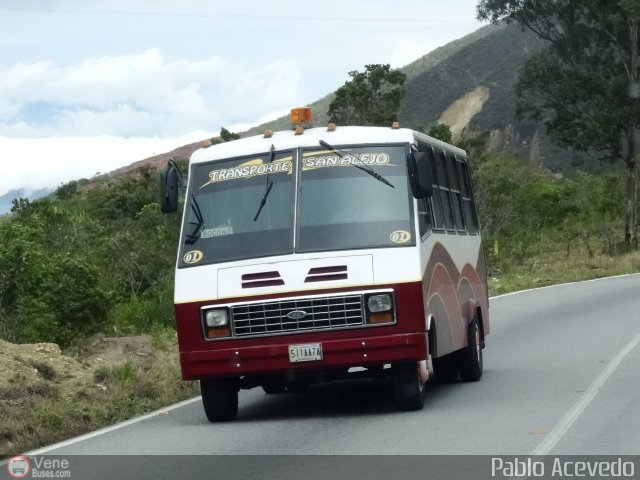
x: 551, y: 262
x: 57, y: 401
x: 51, y: 403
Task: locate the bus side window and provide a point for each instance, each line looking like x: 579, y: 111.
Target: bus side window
x: 454, y: 188
x: 436, y: 202
x: 443, y: 190
x: 468, y: 204
x: 425, y: 207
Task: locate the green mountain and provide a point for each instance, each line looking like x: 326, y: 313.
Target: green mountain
x: 468, y: 84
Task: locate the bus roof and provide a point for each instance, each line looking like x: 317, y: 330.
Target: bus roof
x: 285, y: 140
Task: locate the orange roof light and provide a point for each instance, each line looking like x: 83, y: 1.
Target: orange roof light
x: 301, y: 117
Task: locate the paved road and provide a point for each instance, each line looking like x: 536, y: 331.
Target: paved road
x: 561, y: 367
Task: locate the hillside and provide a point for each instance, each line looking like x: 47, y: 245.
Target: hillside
x: 468, y: 84
x: 412, y: 70
x: 160, y: 160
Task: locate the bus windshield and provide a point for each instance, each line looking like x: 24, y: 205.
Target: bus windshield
x: 342, y: 207
x: 224, y: 200
x: 245, y: 207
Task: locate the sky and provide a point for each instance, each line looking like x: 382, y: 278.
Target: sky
x: 88, y: 86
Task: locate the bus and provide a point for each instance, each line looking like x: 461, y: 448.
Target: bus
x: 317, y: 254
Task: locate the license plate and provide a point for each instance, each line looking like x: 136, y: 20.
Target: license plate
x: 307, y: 352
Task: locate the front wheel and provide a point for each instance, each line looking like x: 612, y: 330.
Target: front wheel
x: 470, y: 358
x: 220, y: 399
x: 408, y: 386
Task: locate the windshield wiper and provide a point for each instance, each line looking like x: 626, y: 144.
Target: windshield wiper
x: 361, y: 166
x: 199, y: 223
x: 267, y: 190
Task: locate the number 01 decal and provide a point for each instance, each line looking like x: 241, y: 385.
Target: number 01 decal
x: 193, y: 256
x: 400, y: 236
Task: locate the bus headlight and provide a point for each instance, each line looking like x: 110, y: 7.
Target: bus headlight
x: 379, y: 303
x: 216, y: 323
x: 216, y: 318
x: 380, y: 308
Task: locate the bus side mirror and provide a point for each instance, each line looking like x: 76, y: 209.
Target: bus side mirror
x: 169, y: 189
x: 421, y: 176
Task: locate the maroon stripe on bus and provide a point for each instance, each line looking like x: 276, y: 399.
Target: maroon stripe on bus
x: 263, y: 283
x: 326, y: 278
x: 260, y: 276
x: 320, y: 270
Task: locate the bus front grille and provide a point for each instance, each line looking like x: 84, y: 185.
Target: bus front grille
x: 296, y: 315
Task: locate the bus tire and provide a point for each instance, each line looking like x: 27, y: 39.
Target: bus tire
x: 445, y: 369
x: 220, y: 399
x: 470, y: 358
x: 408, y: 387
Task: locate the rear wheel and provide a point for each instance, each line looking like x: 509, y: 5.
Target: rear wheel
x: 220, y: 399
x: 470, y: 358
x: 408, y: 386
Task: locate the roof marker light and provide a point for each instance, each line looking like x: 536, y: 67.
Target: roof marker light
x: 395, y: 125
x: 331, y: 127
x: 268, y: 133
x: 299, y: 131
x: 206, y: 143
x: 301, y: 117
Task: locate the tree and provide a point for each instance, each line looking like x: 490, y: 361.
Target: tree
x: 225, y: 136
x: 19, y: 205
x: 441, y: 131
x: 67, y: 190
x: 371, y: 97
x: 585, y: 86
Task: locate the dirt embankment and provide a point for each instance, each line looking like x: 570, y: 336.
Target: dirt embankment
x: 23, y: 367
x: 47, y: 396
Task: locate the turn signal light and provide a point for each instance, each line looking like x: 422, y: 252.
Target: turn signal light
x: 380, y: 318
x: 218, y: 332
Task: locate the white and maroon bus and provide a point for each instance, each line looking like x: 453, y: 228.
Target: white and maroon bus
x: 307, y: 255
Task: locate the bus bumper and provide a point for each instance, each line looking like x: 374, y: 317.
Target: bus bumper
x: 274, y: 359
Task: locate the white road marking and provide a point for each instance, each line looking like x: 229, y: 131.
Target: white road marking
x: 574, y: 412
x: 102, y: 431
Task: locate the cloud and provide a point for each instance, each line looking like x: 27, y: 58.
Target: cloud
x: 141, y: 95
x: 47, y: 162
x: 35, y: 163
